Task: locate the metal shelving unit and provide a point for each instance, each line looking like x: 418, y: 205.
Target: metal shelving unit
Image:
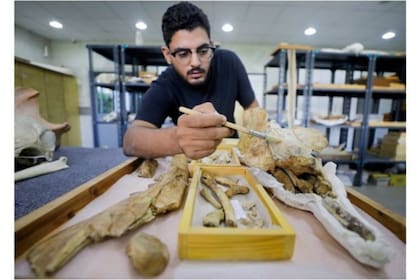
x: 127, y: 61
x: 311, y: 60
x: 110, y: 53
x: 136, y: 59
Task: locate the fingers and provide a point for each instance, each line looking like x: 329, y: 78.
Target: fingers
x: 199, y: 134
x: 200, y: 142
x: 200, y: 148
x: 208, y: 119
x: 206, y: 107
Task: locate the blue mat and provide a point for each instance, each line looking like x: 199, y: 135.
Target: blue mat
x: 84, y: 165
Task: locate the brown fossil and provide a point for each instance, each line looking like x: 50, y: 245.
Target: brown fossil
x: 148, y: 254
x: 147, y: 168
x: 210, y: 182
x: 50, y: 254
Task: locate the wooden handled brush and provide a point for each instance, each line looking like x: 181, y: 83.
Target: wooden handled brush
x: 243, y: 129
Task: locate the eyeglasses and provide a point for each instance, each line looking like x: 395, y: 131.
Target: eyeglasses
x: 204, y: 54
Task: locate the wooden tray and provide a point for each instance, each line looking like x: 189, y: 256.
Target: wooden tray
x: 43, y: 221
x: 273, y: 242
x: 226, y: 146
x: 40, y: 222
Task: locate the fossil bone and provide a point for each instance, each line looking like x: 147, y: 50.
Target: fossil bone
x: 236, y: 189
x: 321, y: 192
x: 347, y: 220
x: 210, y: 182
x: 225, y: 181
x: 173, y: 184
x: 214, y: 218
x: 50, y: 254
x: 207, y: 194
x: 148, y: 254
x: 147, y: 168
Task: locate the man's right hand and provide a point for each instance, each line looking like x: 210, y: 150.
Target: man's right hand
x: 198, y: 135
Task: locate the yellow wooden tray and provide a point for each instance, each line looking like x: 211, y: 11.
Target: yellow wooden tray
x: 216, y: 159
x: 274, y: 242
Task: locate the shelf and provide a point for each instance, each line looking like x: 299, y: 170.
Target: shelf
x: 375, y: 159
x: 372, y: 64
x: 103, y: 50
x: 346, y: 91
x: 105, y: 85
x: 382, y: 124
x: 143, y: 55
x: 104, y: 122
x: 135, y: 57
x: 136, y: 86
x: 342, y: 61
x: 340, y: 161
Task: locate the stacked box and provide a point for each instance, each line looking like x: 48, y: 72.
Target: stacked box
x: 393, y: 146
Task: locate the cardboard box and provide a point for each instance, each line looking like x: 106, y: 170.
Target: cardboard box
x: 379, y: 179
x: 275, y: 241
x: 398, y: 180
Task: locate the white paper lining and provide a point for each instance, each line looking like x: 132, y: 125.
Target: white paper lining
x: 374, y: 253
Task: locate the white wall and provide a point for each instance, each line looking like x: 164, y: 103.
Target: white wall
x: 31, y: 46
x: 74, y: 56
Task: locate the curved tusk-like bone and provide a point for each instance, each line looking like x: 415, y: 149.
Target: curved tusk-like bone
x: 40, y: 169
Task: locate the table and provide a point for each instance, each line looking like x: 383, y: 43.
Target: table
x: 84, y: 164
x: 316, y: 255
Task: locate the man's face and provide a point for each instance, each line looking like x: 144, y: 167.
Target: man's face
x: 190, y: 54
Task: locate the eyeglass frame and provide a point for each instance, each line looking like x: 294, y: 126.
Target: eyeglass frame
x: 190, y: 52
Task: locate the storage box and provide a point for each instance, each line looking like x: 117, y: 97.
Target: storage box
x: 379, y: 179
x: 397, y: 180
x: 275, y: 241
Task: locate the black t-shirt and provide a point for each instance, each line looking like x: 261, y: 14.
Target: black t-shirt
x: 227, y: 81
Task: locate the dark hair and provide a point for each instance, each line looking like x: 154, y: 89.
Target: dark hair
x: 183, y: 15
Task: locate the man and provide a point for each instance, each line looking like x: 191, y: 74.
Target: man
x: 199, y: 76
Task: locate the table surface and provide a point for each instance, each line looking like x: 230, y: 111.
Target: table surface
x: 84, y: 164
x: 316, y: 254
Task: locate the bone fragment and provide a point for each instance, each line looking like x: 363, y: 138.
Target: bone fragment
x: 346, y: 219
x: 214, y: 218
x: 50, y: 254
x: 173, y: 184
x: 283, y: 177
x: 147, y: 168
x: 41, y: 169
x: 236, y: 189
x: 255, y: 151
x: 253, y: 220
x: 232, y: 184
x: 148, y: 254
x: 226, y: 181
x: 209, y: 181
x: 208, y: 195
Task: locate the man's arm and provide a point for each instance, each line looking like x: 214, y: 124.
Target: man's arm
x: 195, y: 135
x: 143, y: 139
x: 254, y: 104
